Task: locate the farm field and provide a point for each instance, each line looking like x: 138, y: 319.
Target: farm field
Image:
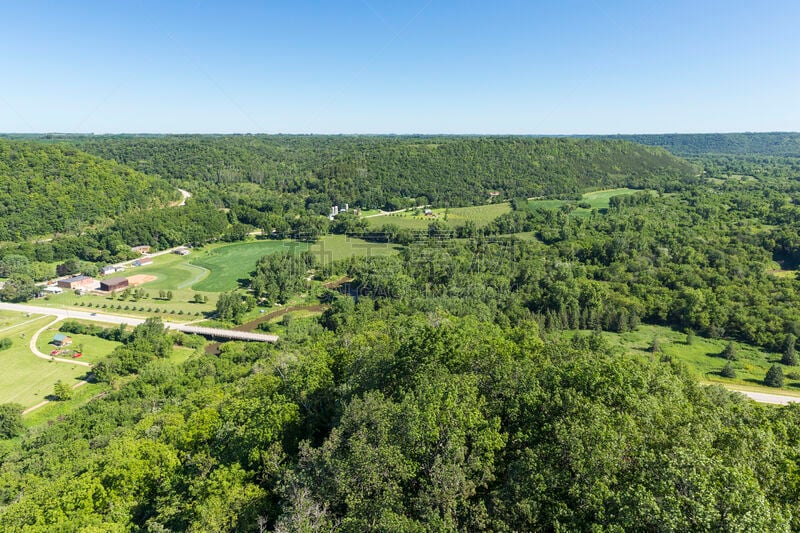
x: 25, y: 378
x: 481, y: 215
x: 702, y: 359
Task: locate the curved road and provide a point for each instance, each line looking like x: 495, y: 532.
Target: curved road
x: 37, y: 353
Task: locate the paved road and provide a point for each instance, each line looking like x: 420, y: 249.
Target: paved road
x: 766, y: 397
x: 62, y: 314
x: 37, y: 353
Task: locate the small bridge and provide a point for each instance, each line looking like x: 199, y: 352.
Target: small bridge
x: 217, y: 333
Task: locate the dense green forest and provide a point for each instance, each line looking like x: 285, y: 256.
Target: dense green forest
x: 385, y: 418
x: 48, y: 189
x: 394, y: 172
x: 460, y: 384
x: 773, y: 143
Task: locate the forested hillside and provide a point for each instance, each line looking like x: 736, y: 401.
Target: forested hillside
x: 392, y: 420
x: 694, y: 144
x: 395, y: 172
x: 48, y: 188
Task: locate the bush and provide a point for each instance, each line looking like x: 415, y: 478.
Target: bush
x: 5, y: 343
x: 728, y: 371
x: 774, y: 377
x: 729, y: 352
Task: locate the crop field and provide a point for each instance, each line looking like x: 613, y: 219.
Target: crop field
x: 25, y: 378
x: 481, y: 215
x: 703, y: 359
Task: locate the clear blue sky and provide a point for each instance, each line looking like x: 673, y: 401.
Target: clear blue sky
x: 411, y: 66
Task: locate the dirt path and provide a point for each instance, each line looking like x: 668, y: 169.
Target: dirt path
x: 45, y: 402
x: 184, y: 196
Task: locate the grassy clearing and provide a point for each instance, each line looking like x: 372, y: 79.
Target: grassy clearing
x: 172, y: 272
x: 94, y: 349
x: 230, y: 263
x: 415, y: 219
x: 702, y: 357
x: 335, y: 247
x: 596, y: 199
x: 150, y: 306
x: 25, y: 378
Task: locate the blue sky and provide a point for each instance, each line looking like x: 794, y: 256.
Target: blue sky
x: 412, y: 66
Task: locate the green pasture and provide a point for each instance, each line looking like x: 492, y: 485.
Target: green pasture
x: 335, y: 247
x: 596, y: 199
x: 25, y: 378
x: 415, y: 219
x: 703, y: 360
x: 233, y: 262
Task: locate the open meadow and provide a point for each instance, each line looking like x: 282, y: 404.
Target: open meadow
x: 25, y: 378
x: 597, y: 200
x: 415, y: 219
x: 702, y: 357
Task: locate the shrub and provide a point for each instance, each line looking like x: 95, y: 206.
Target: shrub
x: 774, y: 377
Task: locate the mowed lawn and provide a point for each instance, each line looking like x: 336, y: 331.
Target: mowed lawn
x: 25, y: 378
x: 230, y: 263
x: 173, y: 272
x: 481, y: 215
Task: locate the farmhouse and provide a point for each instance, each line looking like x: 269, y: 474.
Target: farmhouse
x: 143, y: 261
x: 84, y: 283
x: 143, y: 249
x: 59, y: 339
x: 182, y: 251
x: 113, y: 284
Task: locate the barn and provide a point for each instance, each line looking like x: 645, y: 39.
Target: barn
x: 113, y: 284
x: 78, y: 282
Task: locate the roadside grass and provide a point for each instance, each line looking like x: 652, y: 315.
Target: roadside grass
x: 150, y: 306
x: 703, y: 359
x: 25, y: 378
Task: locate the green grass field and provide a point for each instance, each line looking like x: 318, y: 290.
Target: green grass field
x: 173, y: 272
x: 232, y: 262
x: 596, y: 199
x: 702, y: 357
x: 94, y: 349
x: 25, y: 378
x: 336, y: 247
x: 481, y: 215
